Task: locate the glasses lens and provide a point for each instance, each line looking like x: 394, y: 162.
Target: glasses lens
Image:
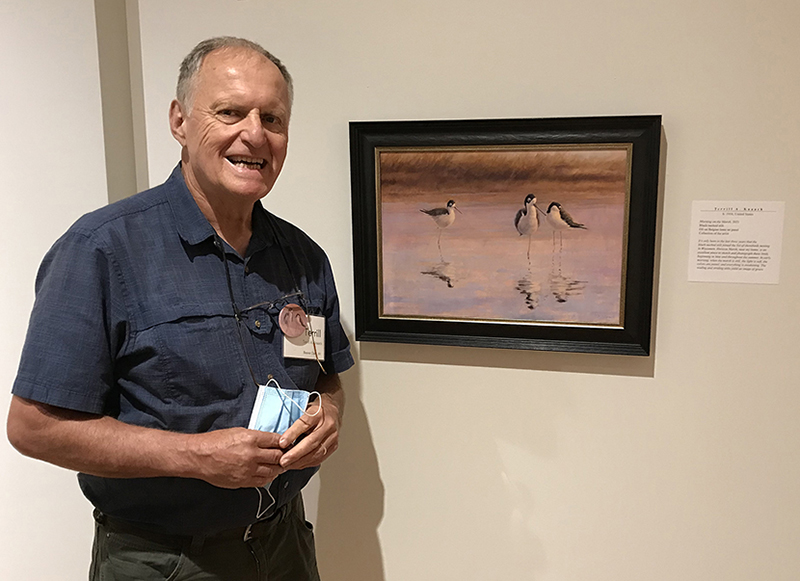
x: 292, y: 320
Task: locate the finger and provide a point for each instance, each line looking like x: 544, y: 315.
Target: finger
x: 312, y: 450
x: 302, y: 425
x: 268, y: 457
x: 268, y: 473
x: 312, y: 440
x: 267, y: 439
x: 300, y: 453
x: 314, y: 457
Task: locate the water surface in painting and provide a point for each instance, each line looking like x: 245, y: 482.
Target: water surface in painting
x: 479, y: 266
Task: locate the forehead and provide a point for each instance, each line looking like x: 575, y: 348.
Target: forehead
x: 236, y: 71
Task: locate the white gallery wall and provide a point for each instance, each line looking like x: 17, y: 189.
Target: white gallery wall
x: 456, y: 463
x: 52, y: 170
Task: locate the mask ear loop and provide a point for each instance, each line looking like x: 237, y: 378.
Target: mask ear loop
x: 285, y: 397
x: 262, y: 510
x: 259, y: 512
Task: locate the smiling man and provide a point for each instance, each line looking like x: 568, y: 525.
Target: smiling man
x: 164, y: 329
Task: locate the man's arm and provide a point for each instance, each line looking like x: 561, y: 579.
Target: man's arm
x: 320, y: 423
x: 104, y: 446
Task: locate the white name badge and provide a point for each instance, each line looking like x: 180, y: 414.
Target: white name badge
x: 309, y: 345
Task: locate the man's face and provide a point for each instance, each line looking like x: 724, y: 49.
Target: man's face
x: 234, y: 133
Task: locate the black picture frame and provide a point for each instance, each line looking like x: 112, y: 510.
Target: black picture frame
x: 641, y: 135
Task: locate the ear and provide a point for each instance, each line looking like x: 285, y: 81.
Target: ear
x: 177, y: 122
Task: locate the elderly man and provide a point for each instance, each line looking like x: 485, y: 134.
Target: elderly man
x: 161, y: 321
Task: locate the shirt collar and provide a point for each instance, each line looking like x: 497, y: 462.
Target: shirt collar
x: 195, y: 228
x: 263, y: 229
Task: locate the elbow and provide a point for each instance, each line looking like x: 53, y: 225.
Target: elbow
x: 16, y: 435
x: 22, y: 435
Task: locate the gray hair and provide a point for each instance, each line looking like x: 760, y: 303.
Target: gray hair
x: 194, y: 60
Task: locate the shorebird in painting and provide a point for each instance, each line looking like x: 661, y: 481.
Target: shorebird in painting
x: 560, y: 220
x: 527, y: 219
x: 443, y: 217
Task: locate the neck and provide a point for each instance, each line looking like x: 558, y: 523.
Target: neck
x: 232, y: 219
x: 235, y: 228
x: 233, y: 223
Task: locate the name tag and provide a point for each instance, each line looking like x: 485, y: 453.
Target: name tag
x: 309, y: 345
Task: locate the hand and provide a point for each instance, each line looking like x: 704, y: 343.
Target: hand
x: 237, y: 458
x: 320, y: 423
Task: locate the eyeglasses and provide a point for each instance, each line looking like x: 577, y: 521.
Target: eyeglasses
x: 292, y: 318
x: 294, y: 322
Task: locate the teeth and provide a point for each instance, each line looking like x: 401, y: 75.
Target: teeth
x: 247, y: 161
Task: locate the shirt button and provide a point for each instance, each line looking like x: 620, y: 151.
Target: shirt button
x: 258, y: 324
x: 247, y: 270
x: 286, y: 485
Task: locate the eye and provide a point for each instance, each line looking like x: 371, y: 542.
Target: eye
x: 270, y: 119
x: 228, y: 115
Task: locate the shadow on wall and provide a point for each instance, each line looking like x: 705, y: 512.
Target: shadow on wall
x: 589, y: 363
x: 351, y: 498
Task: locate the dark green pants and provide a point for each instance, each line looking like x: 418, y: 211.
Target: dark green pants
x: 281, y: 549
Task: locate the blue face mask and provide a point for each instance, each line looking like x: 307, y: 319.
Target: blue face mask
x: 276, y: 408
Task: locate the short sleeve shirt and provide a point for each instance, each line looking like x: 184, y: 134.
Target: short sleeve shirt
x: 134, y: 318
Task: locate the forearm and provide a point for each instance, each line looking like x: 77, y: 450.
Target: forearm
x: 98, y: 445
x: 331, y: 387
x: 104, y: 446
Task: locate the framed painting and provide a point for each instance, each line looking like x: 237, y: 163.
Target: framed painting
x: 508, y: 233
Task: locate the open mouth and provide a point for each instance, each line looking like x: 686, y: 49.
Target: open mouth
x: 247, y: 162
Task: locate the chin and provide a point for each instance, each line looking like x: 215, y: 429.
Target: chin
x: 250, y: 195
x: 249, y: 190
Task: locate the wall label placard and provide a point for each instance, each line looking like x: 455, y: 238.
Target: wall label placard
x: 736, y: 242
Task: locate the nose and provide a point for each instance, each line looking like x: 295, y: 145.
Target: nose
x: 253, y: 131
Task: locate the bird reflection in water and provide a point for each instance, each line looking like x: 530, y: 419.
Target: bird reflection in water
x: 563, y: 287
x: 443, y: 271
x: 530, y: 290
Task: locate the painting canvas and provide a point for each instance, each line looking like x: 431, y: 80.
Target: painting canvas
x: 513, y: 233
x: 531, y: 234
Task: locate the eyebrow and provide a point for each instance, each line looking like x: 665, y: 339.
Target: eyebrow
x: 231, y: 103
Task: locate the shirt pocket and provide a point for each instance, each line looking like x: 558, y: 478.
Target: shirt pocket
x: 199, y: 352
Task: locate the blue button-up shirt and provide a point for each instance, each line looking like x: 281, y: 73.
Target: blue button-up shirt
x: 134, y: 319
